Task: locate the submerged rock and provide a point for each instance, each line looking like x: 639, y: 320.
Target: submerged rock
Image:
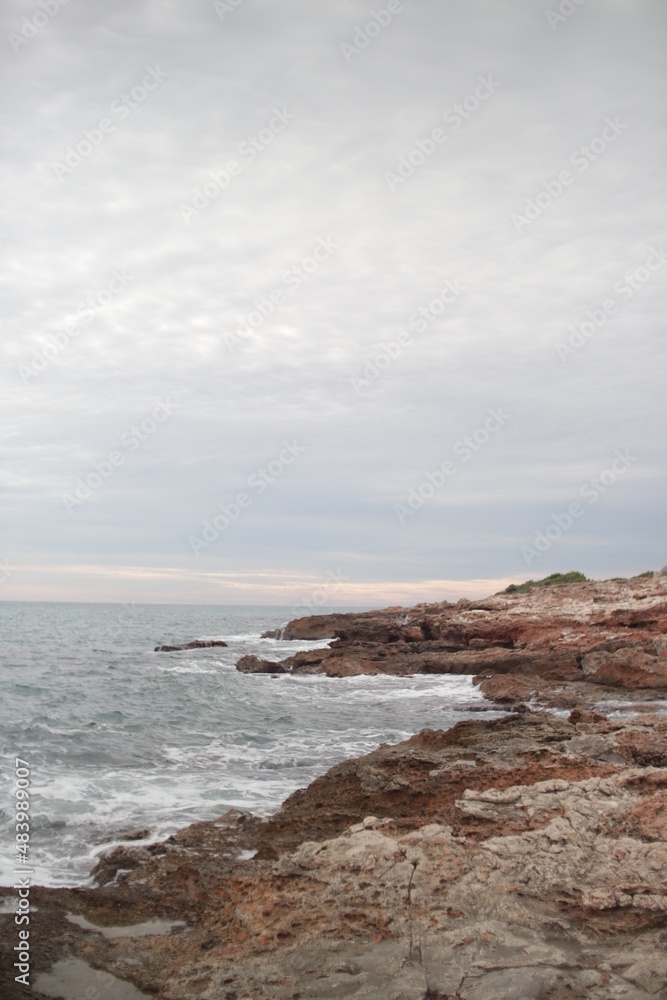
x: 195, y: 644
x: 255, y: 665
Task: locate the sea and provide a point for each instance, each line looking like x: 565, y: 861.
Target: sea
x: 120, y: 739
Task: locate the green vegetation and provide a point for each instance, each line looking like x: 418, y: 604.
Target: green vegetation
x: 624, y: 579
x: 548, y: 581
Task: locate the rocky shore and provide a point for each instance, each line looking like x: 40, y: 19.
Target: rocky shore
x: 560, y: 646
x: 519, y: 857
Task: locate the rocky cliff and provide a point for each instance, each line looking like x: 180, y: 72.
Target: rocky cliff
x: 522, y: 857
x: 561, y: 645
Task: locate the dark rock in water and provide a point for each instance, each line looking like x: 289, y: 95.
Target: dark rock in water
x: 272, y: 633
x: 254, y: 665
x: 195, y: 644
x: 470, y: 707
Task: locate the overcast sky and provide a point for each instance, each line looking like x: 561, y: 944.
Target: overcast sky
x: 329, y: 240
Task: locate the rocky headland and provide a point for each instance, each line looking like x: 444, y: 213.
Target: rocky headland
x: 516, y: 857
x: 558, y: 646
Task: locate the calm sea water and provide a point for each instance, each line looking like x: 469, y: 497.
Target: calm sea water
x: 121, y: 738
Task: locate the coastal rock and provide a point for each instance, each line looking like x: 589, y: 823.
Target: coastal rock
x: 517, y: 857
x: 388, y: 625
x: 195, y: 644
x: 255, y: 665
x: 605, y: 636
x: 628, y: 668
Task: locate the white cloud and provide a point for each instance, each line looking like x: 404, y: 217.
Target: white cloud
x: 324, y: 174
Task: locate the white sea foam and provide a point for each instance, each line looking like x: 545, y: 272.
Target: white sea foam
x: 120, y: 740
x: 187, y: 668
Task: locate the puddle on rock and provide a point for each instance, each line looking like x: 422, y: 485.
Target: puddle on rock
x: 150, y: 927
x: 72, y: 979
x: 8, y: 905
x: 246, y: 855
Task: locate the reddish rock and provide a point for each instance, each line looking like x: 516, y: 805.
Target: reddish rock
x: 389, y: 625
x: 522, y: 856
x: 627, y: 668
x: 255, y: 665
x: 606, y: 634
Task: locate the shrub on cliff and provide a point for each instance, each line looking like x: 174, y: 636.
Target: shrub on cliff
x: 549, y: 581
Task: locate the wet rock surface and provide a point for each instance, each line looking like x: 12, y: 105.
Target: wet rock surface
x: 255, y: 665
x: 518, y: 857
x: 195, y: 644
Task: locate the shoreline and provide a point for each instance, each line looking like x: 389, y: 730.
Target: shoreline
x: 521, y: 855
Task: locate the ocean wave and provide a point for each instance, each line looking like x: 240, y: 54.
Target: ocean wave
x: 158, y: 744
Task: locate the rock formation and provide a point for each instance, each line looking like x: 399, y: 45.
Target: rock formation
x: 561, y: 645
x: 521, y: 857
x: 195, y: 644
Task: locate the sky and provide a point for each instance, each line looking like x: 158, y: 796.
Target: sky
x: 334, y: 303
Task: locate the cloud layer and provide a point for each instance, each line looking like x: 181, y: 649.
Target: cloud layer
x: 353, y: 229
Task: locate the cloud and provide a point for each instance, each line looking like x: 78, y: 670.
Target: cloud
x: 187, y: 93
